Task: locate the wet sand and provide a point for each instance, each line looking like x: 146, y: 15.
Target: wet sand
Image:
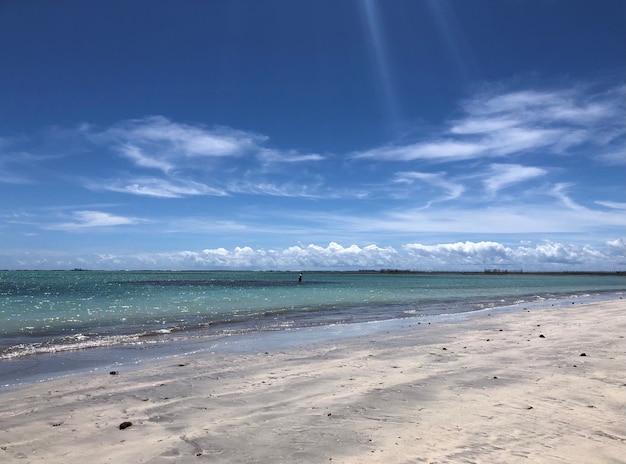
x: 530, y: 385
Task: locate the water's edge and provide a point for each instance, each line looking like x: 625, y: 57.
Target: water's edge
x: 49, y: 366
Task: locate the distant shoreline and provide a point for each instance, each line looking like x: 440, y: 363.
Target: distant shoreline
x: 351, y: 271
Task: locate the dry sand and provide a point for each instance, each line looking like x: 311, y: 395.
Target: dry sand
x: 489, y: 389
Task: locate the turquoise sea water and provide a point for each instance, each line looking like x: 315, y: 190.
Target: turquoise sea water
x: 52, y: 312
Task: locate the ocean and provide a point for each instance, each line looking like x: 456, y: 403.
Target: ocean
x: 55, y: 322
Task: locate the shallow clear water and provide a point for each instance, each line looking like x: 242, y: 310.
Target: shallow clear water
x: 53, y: 311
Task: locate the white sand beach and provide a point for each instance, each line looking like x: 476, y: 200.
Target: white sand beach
x: 542, y: 385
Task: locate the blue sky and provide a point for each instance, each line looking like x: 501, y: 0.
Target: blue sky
x: 431, y: 135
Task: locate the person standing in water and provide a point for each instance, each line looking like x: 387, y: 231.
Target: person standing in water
x: 300, y: 278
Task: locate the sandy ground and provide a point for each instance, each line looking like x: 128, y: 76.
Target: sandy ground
x: 501, y: 388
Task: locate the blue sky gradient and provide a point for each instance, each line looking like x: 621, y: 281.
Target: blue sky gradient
x: 428, y: 135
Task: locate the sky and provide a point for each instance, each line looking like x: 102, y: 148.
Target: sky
x: 313, y: 134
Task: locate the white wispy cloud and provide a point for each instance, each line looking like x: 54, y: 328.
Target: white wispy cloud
x: 189, y: 155
x: 91, y: 219
x: 482, y: 125
x: 504, y: 175
x: 559, y: 191
x: 182, y: 152
x: 503, y: 123
x: 9, y: 177
x: 489, y: 189
x: 159, y: 143
x: 616, y: 157
x: 168, y: 140
x: 439, y: 150
x: 453, y: 189
x: 508, y: 217
x: 612, y: 204
x: 159, y: 188
x: 16, y: 166
x: 269, y: 155
x: 135, y: 154
x: 276, y: 189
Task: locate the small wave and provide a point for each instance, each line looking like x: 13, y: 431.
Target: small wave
x: 71, y: 343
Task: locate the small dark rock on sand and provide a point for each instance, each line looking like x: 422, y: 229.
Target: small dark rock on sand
x: 583, y: 354
x: 542, y: 336
x: 113, y: 372
x: 125, y: 425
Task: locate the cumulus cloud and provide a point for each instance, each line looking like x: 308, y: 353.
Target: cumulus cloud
x: 618, y: 245
x: 461, y: 253
x: 332, y: 256
x: 455, y: 256
x: 540, y: 256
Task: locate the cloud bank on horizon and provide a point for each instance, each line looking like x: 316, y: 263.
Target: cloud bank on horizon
x: 466, y: 256
x: 514, y: 173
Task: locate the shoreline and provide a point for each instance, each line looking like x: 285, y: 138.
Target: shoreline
x: 501, y: 386
x: 46, y: 366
